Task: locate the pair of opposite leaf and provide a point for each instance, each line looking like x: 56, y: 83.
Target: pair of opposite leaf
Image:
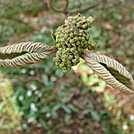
x: 72, y: 43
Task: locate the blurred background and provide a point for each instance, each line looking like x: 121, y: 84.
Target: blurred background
x: 40, y: 99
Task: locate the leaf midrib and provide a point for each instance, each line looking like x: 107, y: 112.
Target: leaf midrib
x: 119, y: 77
x: 11, y: 55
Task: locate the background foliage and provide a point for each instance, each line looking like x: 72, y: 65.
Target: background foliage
x: 41, y: 99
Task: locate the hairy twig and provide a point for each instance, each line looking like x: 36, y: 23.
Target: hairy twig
x: 77, y: 10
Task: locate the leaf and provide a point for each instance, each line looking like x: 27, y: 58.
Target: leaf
x: 95, y: 115
x: 111, y: 71
x: 24, y: 53
x: 67, y: 117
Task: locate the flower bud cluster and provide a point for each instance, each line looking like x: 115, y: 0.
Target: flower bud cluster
x: 71, y: 40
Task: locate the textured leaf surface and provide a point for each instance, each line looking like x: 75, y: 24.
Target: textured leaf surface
x: 111, y: 71
x: 24, y: 53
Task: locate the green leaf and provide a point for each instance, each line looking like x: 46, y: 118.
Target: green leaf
x: 95, y: 115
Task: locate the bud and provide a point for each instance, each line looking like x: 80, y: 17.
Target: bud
x: 76, y: 39
x: 68, y: 49
x: 78, y: 42
x: 87, y: 37
x: 59, y: 53
x: 64, y: 60
x: 60, y: 49
x: 61, y: 65
x: 85, y: 26
x: 75, y: 61
x: 65, y: 70
x: 65, y: 36
x: 65, y: 56
x: 73, y: 49
x: 54, y: 59
x: 58, y: 45
x: 83, y: 39
x: 71, y: 35
x: 92, y: 45
x: 90, y: 20
x: 71, y: 40
x: 70, y: 57
x: 69, y: 62
x: 78, y: 25
x: 80, y: 51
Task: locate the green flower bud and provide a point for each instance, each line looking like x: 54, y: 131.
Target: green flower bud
x: 57, y: 40
x: 59, y: 53
x: 69, y: 66
x: 69, y: 62
x: 62, y: 40
x: 61, y: 65
x: 84, y: 18
x: 64, y: 52
x: 85, y: 26
x: 76, y: 39
x: 65, y: 36
x: 81, y: 31
x: 75, y: 33
x: 68, y: 69
x: 68, y: 31
x: 65, y: 56
x: 76, y: 52
x: 69, y: 45
x: 58, y: 45
x: 75, y: 61
x: 80, y: 39
x: 70, y: 57
x: 72, y: 45
x: 78, y: 43
x: 58, y: 36
x: 71, y: 35
x: 60, y: 49
x: 57, y: 64
x: 68, y: 49
x: 87, y: 37
x: 93, y: 45
x: 64, y: 60
x: 83, y: 39
x: 72, y: 30
x: 90, y: 20
x: 73, y: 49
x: 65, y: 71
x: 58, y: 59
x: 77, y: 57
x: 55, y: 59
x: 78, y: 24
x: 72, y: 41
x: 80, y: 34
x: 57, y: 33
x: 86, y: 43
x: 80, y: 51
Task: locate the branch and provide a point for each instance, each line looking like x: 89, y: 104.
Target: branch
x: 77, y: 10
x: 50, y: 5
